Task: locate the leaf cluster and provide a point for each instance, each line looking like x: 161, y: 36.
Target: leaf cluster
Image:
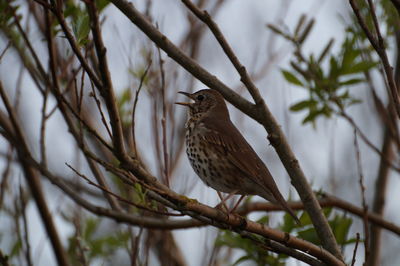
x: 253, y: 251
x: 78, y: 16
x: 328, y: 76
x: 7, y: 9
x: 93, y: 242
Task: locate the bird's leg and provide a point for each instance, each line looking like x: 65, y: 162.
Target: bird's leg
x: 222, y: 203
x: 237, y: 204
x: 223, y: 200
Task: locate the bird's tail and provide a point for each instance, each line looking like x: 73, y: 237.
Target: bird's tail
x: 291, y: 212
x: 280, y: 200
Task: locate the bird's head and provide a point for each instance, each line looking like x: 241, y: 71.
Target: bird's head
x: 206, y: 102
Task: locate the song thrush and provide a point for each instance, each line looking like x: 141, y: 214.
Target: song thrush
x: 221, y: 156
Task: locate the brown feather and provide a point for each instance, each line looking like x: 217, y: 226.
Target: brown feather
x: 239, y: 152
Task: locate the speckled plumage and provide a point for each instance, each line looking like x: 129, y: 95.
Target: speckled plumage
x: 221, y: 156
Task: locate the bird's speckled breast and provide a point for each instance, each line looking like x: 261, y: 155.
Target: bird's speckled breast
x: 207, y: 163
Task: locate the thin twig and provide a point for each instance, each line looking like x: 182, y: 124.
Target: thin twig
x: 28, y: 43
x: 325, y: 201
x: 353, y: 260
x: 135, y: 247
x: 103, y: 118
x: 164, y: 119
x: 107, y: 90
x: 276, y: 247
x: 367, y: 141
x: 70, y: 37
x: 139, y: 206
x: 5, y: 175
x: 79, y: 106
x: 63, y: 106
x: 32, y: 179
x: 5, y: 50
x: 42, y: 137
x: 76, y: 220
x: 379, y: 46
x: 390, y: 139
x: 80, y: 97
x: 23, y: 205
x: 142, y: 78
x: 84, y: 123
x: 364, y: 203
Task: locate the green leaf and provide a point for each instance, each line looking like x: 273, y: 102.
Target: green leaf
x: 327, y: 211
x: 359, y: 67
x: 303, y: 105
x: 90, y: 228
x: 305, y: 219
x: 291, y: 78
x: 140, y: 195
x: 309, y: 235
x: 312, y: 115
x: 252, y: 251
x: 125, y: 97
x: 354, y: 101
x: 72, y: 9
x: 101, y: 4
x: 340, y: 227
x: 326, y: 110
x: 350, y: 52
x: 351, y: 82
x: 242, y: 259
x: 263, y: 220
x: 81, y: 29
x: 16, y: 248
x: 288, y: 224
x: 334, y: 68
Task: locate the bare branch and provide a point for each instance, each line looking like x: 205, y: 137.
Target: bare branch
x: 135, y: 105
x: 364, y: 203
x: 107, y: 90
x: 61, y: 105
x: 379, y: 46
x: 23, y: 203
x: 103, y: 118
x: 326, y: 200
x: 72, y: 42
x: 164, y: 120
x: 139, y: 206
x: 33, y: 179
x: 368, y: 142
x: 353, y: 261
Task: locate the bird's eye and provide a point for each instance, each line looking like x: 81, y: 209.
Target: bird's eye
x: 200, y: 97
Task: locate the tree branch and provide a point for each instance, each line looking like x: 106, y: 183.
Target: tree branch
x: 107, y: 90
x: 382, y: 179
x: 260, y: 113
x: 379, y: 46
x: 33, y: 179
x: 62, y: 106
x: 199, y: 211
x: 325, y: 201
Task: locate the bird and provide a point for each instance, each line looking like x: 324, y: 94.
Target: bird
x: 221, y: 156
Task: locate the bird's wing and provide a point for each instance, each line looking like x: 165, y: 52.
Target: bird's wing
x: 226, y: 138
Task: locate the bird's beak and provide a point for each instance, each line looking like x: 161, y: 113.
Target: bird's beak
x: 187, y: 95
